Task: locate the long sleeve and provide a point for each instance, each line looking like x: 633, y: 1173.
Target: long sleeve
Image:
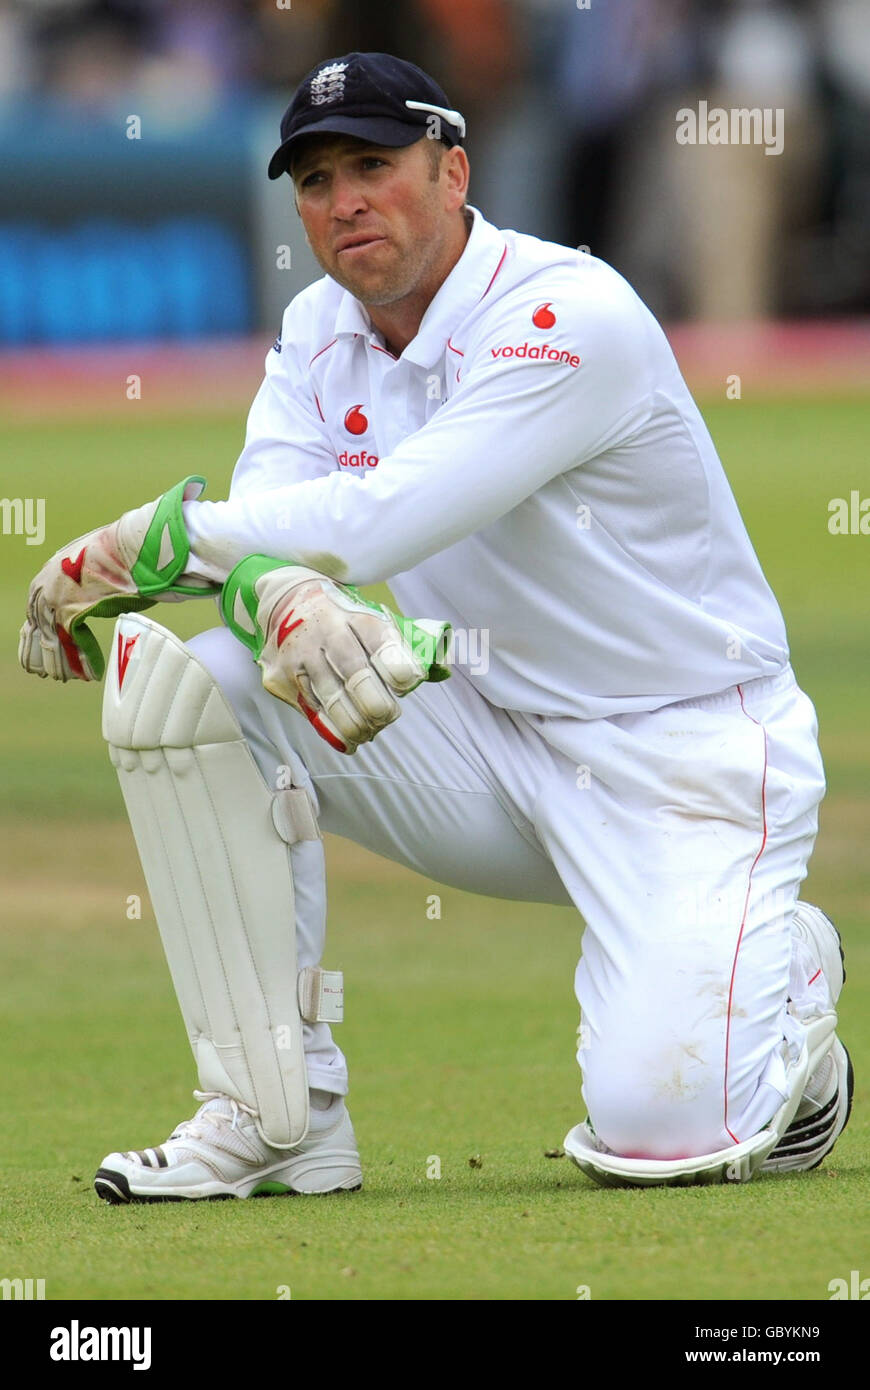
x: 512, y: 424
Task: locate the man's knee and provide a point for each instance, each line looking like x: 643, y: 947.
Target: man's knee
x: 229, y: 664
x: 640, y: 1109
x: 237, y: 676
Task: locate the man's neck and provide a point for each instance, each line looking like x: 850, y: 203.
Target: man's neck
x: 399, y: 323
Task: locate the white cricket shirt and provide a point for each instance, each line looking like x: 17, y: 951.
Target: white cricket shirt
x: 532, y: 467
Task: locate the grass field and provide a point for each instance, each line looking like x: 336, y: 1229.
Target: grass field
x: 460, y: 1031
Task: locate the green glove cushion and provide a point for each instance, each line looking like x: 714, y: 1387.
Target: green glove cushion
x: 239, y: 605
x: 147, y: 574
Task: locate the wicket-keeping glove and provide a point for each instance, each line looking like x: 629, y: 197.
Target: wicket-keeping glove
x: 131, y: 564
x: 323, y: 648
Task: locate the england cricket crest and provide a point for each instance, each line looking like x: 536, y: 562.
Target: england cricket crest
x: 328, y: 85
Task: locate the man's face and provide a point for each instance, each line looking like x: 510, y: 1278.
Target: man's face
x: 374, y: 216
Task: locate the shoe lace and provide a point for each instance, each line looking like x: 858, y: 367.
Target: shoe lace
x: 198, y: 1127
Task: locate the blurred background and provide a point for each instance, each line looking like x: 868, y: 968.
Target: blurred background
x: 134, y: 136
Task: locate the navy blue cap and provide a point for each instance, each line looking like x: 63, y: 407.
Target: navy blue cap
x: 372, y: 96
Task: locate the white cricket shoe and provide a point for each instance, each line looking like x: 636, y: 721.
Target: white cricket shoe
x: 219, y: 1153
x: 826, y: 1104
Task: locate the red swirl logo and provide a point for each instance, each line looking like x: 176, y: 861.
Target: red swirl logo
x: 354, y: 421
x: 543, y: 317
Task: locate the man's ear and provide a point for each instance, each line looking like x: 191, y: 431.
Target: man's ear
x: 456, y: 172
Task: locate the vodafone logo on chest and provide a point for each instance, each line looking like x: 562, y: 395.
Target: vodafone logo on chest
x: 355, y: 422
x: 543, y: 317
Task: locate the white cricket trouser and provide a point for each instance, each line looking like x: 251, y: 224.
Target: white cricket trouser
x: 680, y: 835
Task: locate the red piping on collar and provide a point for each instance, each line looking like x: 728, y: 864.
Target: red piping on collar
x: 457, y: 350
x: 497, y: 269
x: 322, y: 350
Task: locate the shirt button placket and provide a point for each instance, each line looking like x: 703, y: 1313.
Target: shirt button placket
x: 393, y: 415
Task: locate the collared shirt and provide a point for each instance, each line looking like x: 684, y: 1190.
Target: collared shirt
x: 532, y: 468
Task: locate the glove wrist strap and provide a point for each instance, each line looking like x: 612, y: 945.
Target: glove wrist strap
x: 239, y: 602
x: 165, y: 549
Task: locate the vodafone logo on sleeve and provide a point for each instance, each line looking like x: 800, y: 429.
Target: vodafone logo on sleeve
x: 543, y: 317
x: 538, y: 352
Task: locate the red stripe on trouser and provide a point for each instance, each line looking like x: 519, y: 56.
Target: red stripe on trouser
x: 745, y: 908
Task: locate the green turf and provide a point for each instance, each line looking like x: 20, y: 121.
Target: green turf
x: 460, y: 1031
